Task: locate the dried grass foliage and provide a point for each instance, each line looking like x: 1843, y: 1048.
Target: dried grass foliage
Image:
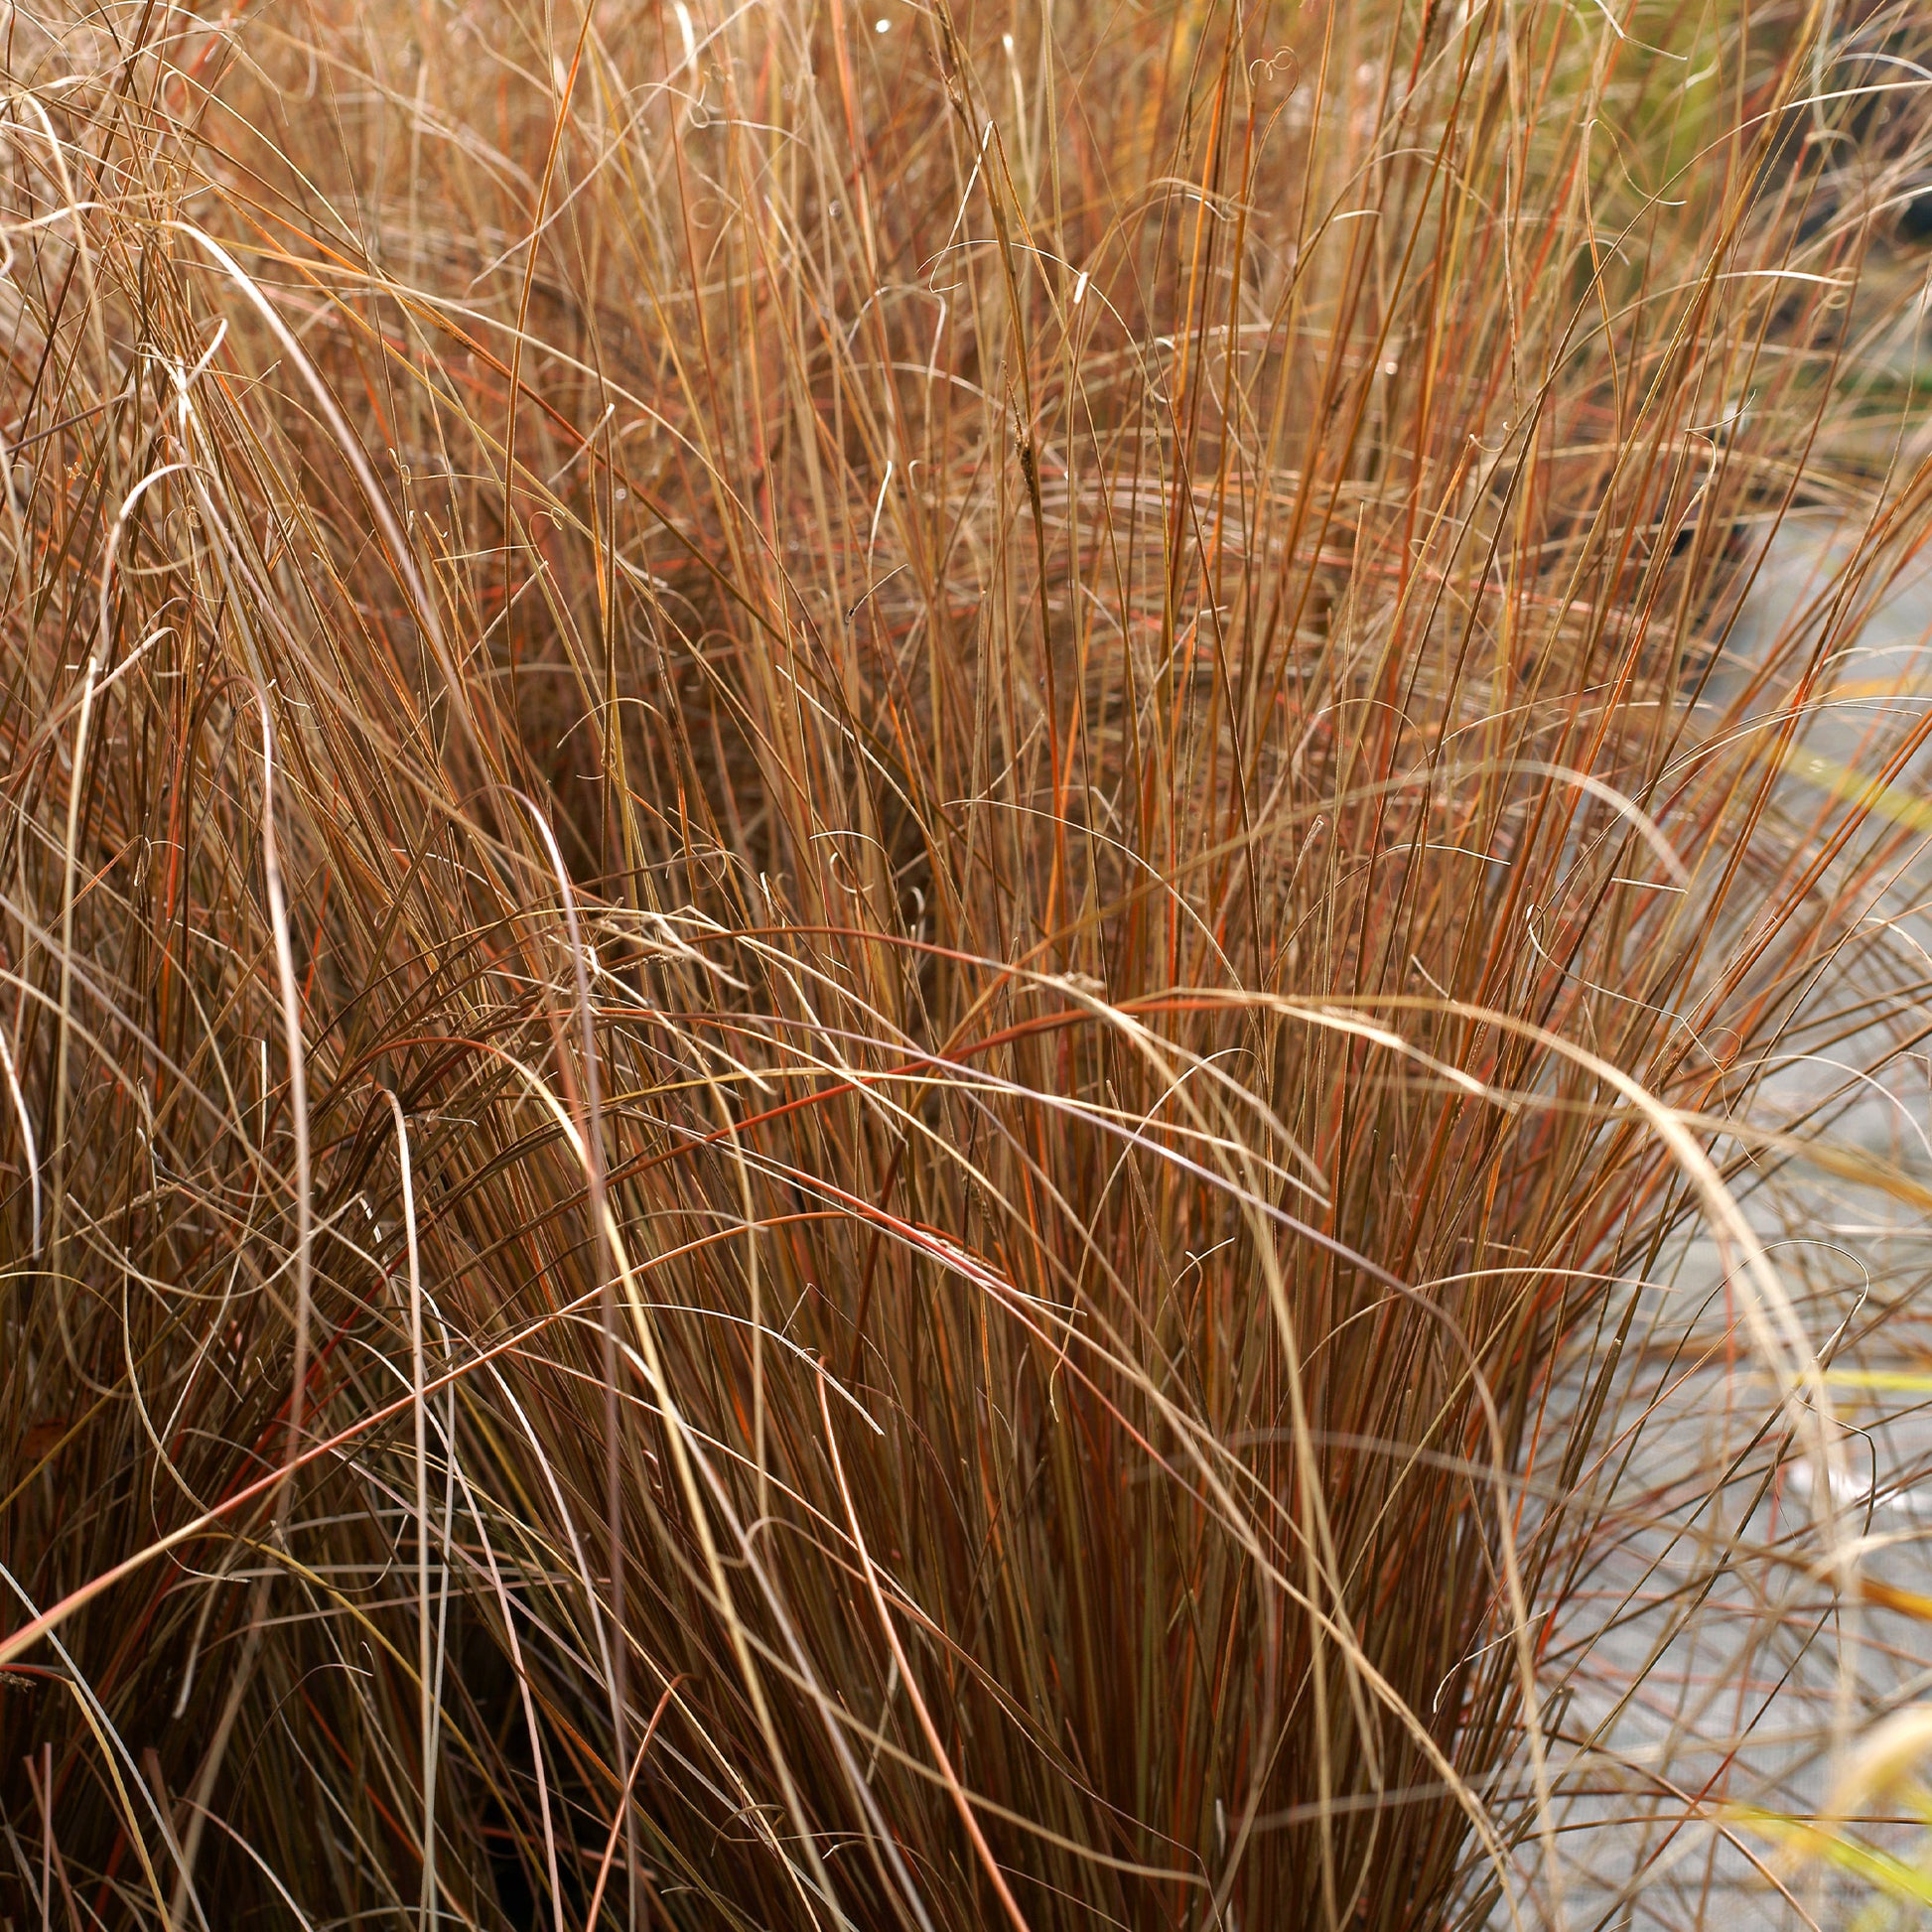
x: 857, y: 892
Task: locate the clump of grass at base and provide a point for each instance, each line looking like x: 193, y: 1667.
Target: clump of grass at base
x: 850, y: 891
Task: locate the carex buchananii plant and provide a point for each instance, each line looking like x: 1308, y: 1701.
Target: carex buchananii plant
x: 863, y: 873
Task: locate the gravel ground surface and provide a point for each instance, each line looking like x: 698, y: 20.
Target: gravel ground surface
x: 1710, y: 1666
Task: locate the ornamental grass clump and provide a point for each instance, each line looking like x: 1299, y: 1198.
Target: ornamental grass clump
x: 866, y: 881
